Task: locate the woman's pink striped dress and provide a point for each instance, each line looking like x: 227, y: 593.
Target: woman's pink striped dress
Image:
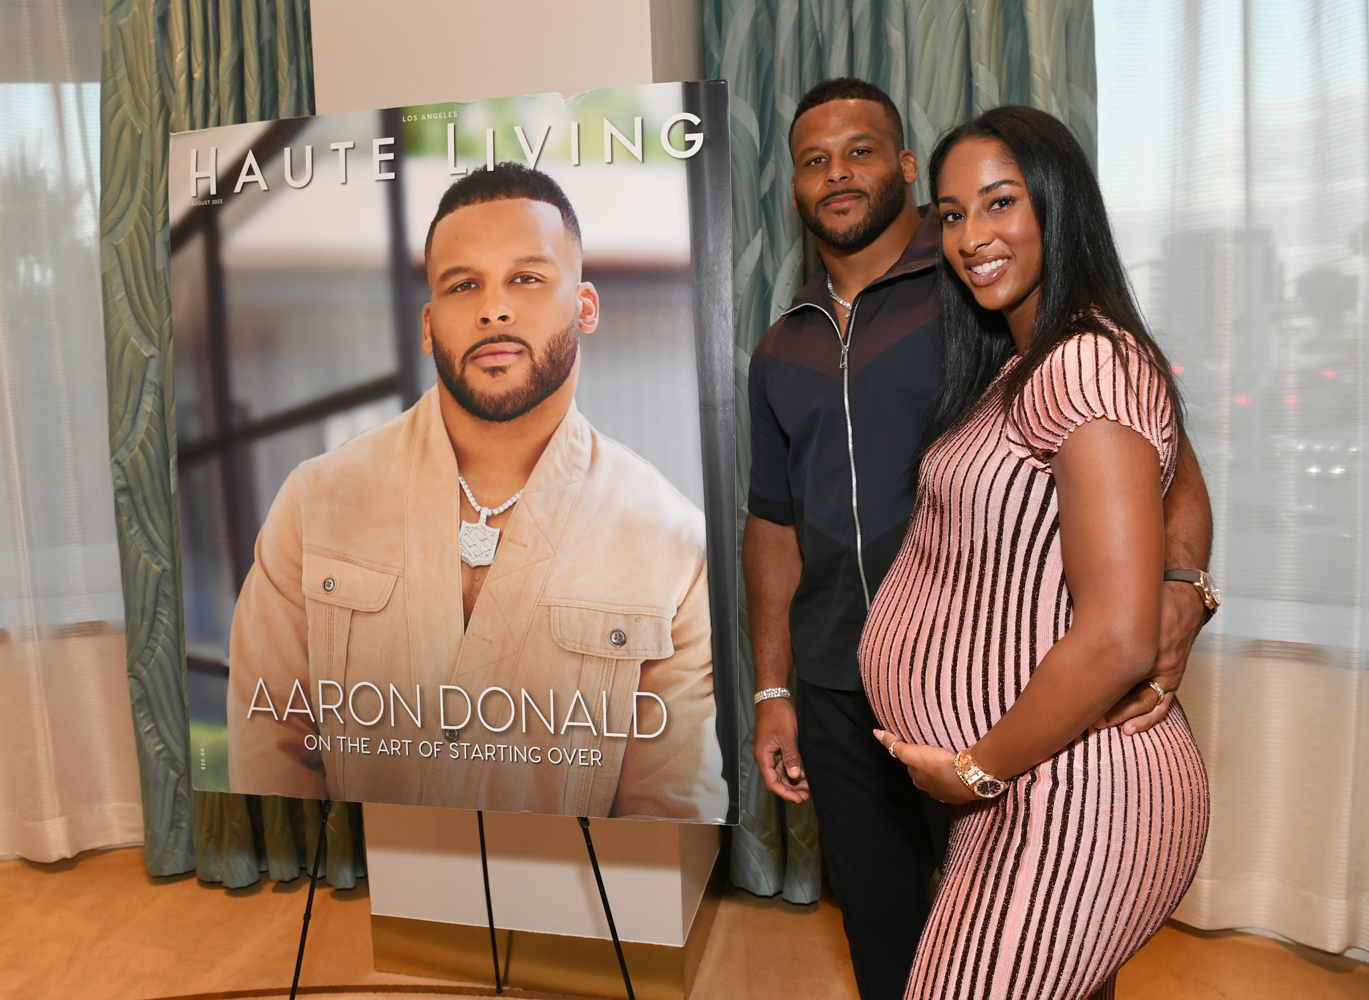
x: 1049, y: 888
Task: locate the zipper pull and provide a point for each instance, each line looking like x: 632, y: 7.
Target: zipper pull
x: 845, y: 346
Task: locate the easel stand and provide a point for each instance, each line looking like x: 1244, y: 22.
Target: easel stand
x: 324, y: 807
x: 603, y: 898
x: 489, y: 905
x: 608, y: 911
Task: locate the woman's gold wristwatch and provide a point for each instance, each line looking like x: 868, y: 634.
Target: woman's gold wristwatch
x: 979, y: 781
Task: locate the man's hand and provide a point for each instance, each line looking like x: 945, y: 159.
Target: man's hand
x: 775, y: 743
x: 1181, y: 617
x: 772, y: 565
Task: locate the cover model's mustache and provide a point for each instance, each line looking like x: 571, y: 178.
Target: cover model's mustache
x: 503, y: 338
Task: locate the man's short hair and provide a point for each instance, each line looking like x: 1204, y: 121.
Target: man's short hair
x: 847, y: 88
x: 503, y: 180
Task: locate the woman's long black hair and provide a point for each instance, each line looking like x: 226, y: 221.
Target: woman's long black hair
x: 1081, y: 274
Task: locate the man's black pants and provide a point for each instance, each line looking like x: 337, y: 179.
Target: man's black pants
x: 881, y: 837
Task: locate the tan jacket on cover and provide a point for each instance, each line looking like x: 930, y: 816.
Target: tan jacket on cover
x: 599, y: 586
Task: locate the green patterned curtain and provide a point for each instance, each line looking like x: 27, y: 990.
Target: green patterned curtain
x: 171, y: 65
x: 942, y: 61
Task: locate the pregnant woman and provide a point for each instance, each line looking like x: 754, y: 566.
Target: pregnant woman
x: 1026, y: 598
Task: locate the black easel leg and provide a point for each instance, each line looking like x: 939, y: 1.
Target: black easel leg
x: 489, y: 904
x: 608, y: 911
x: 324, y: 808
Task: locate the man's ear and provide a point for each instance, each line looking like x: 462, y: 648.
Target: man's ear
x: 588, y: 316
x: 907, y: 162
x: 427, y: 329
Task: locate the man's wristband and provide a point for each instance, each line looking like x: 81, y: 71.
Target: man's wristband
x: 1202, y: 582
x: 766, y: 694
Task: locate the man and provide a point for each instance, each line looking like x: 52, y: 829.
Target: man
x: 510, y: 606
x: 840, y: 387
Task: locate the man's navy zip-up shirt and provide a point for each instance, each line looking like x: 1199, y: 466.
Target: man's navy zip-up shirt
x: 803, y: 448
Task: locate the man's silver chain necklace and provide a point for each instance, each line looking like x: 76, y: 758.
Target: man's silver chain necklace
x: 478, y: 538
x: 837, y: 298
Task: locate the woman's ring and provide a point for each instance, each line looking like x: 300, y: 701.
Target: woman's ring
x: 890, y: 748
x: 1160, y: 693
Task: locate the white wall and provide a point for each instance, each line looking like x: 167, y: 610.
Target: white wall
x: 385, y: 53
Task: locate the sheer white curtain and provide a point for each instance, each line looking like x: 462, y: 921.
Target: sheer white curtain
x: 1234, y: 154
x: 68, y: 773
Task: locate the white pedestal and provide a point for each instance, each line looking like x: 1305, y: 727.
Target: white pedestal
x: 424, y: 864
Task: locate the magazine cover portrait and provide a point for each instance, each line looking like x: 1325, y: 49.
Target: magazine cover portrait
x: 454, y: 454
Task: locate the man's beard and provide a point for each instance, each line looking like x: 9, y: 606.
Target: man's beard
x: 549, y: 373
x: 886, y: 202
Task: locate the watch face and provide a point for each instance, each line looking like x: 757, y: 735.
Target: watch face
x: 987, y: 788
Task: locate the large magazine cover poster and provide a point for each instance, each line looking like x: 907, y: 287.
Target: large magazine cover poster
x: 454, y: 446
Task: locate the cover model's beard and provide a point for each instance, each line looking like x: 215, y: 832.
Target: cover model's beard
x: 549, y: 372
x: 886, y: 202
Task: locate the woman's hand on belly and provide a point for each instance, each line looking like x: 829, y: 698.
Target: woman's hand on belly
x: 931, y: 768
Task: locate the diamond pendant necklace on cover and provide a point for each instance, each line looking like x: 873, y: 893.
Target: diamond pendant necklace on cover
x: 478, y: 539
